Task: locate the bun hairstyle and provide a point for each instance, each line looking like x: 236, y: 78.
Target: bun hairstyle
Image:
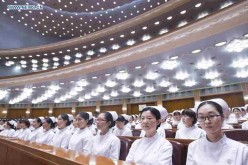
x: 66, y: 117
x: 109, y: 118
x: 154, y: 111
x: 39, y: 121
x: 122, y: 119
x: 50, y: 121
x: 11, y: 124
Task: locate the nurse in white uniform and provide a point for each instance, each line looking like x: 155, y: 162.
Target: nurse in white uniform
x: 18, y: 129
x: 25, y: 131
x: 121, y: 129
x: 91, y: 126
x: 215, y: 148
x: 151, y: 149
x: 9, y: 130
x: 37, y: 131
x: 190, y: 130
x: 81, y: 140
x: 63, y: 134
x: 47, y: 133
x: 105, y: 143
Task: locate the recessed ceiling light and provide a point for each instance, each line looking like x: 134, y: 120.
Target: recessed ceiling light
x: 220, y: 43
x: 198, y: 5
x: 138, y: 67
x: 196, y: 51
x: 246, y: 35
x: 183, y: 12
x: 174, y: 58
x: 155, y: 63
x: 169, y: 18
x: 94, y: 77
x: 107, y: 74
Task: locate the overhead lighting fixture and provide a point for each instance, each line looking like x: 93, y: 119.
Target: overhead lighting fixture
x: 125, y: 89
x: 174, y: 58
x: 216, y: 82
x: 198, y: 5
x: 150, y: 89
x: 164, y: 83
x: 211, y: 75
x: 102, y: 50
x: 189, y: 83
x: 110, y: 83
x: 163, y: 31
x: 138, y: 83
x: 169, y: 18
x: 226, y: 4
x: 114, y: 94
x: 122, y: 75
x: 87, y: 96
x: 82, y: 83
x: 173, y: 89
x: 169, y: 64
x: 242, y: 74
x: 220, y: 43
x: 78, y: 55
x: 182, y: 23
x: 100, y: 89
x: 155, y: 63
x: 237, y: 45
x: 9, y: 63
x: 81, y: 99
x: 136, y: 94
x: 146, y: 37
x: 138, y: 67
x: 130, y: 42
x: 196, y: 51
x: 90, y: 52
x: 3, y: 93
x: 115, y: 47
x: 240, y: 63
x: 204, y: 64
x: 152, y: 75
x: 183, y: 12
x: 181, y: 75
x: 106, y: 97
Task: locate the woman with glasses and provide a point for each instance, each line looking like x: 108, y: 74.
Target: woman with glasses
x: 81, y: 140
x: 190, y: 130
x: 215, y: 147
x: 152, y: 148
x: 105, y: 143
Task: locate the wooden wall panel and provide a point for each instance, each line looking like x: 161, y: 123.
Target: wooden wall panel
x: 16, y: 113
x: 117, y: 108
x: 232, y: 99
x: 37, y: 112
x: 134, y: 108
x: 178, y: 104
x: 58, y: 111
x: 85, y: 109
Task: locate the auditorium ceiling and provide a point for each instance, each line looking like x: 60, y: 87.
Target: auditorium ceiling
x: 91, y: 50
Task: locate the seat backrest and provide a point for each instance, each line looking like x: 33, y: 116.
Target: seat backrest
x: 125, y: 146
x: 237, y: 134
x: 136, y: 132
x: 178, y: 156
x: 170, y: 133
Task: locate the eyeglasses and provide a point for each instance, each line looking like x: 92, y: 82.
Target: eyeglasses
x: 209, y: 117
x: 100, y: 120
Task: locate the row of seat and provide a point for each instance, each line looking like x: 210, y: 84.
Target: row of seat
x: 235, y: 134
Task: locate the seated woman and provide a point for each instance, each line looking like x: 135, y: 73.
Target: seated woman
x: 9, y: 129
x: 17, y: 129
x: 190, y: 130
x: 63, y: 134
x: 105, y: 143
x: 91, y: 126
x: 81, y: 140
x: 36, y: 133
x: 25, y: 131
x: 215, y: 147
x: 47, y: 134
x: 151, y: 149
x: 121, y: 129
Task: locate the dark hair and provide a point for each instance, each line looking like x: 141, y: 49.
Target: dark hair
x: 176, y: 113
x: 108, y: 118
x: 85, y: 116
x: 39, y: 121
x: 66, y: 117
x: 190, y: 113
x: 214, y: 104
x: 242, y: 109
x: 122, y: 119
x: 236, y: 109
x: 49, y: 121
x: 26, y: 122
x: 11, y: 126
x: 154, y: 111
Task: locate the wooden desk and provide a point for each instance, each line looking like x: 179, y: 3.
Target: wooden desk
x: 19, y: 152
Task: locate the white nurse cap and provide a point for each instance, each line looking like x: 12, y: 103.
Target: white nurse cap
x: 70, y: 117
x: 218, y: 101
x: 114, y: 115
x: 90, y: 115
x: 53, y: 119
x: 12, y: 122
x: 41, y: 118
x: 127, y: 117
x: 163, y: 112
